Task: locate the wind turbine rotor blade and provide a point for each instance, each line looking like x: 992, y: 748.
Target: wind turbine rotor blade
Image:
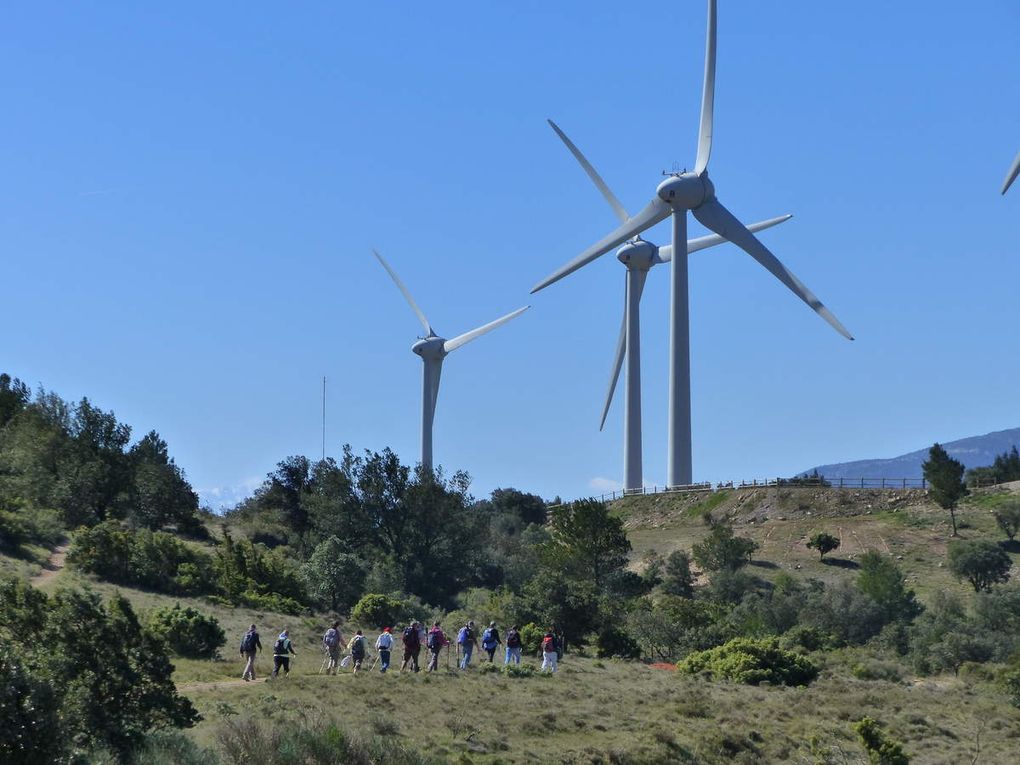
x: 713, y: 216
x: 1012, y: 174
x: 655, y: 212
x: 407, y: 294
x: 621, y: 349
x: 600, y: 184
x: 704, y: 242
x: 707, y: 95
x: 451, y: 345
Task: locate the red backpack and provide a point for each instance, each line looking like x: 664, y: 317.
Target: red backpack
x: 549, y: 644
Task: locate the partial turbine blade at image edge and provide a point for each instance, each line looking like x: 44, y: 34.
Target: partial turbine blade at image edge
x: 407, y: 294
x: 713, y: 216
x: 704, y: 242
x: 600, y: 184
x: 451, y: 345
x: 1012, y: 174
x: 707, y: 95
x: 655, y: 212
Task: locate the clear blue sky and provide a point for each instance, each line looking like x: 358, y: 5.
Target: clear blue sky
x: 190, y: 191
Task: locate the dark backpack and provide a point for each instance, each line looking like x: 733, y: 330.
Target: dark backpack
x: 411, y: 639
x: 248, y: 642
x: 358, y: 647
x: 549, y: 644
x: 432, y: 640
x: 513, y: 639
x: 280, y: 649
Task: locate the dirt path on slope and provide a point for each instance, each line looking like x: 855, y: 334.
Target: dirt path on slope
x: 53, y: 565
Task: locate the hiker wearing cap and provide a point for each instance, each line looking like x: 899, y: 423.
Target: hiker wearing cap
x: 250, y: 645
x: 331, y: 642
x: 513, y: 646
x: 466, y: 643
x: 435, y: 641
x: 549, y: 652
x: 384, y: 644
x: 357, y: 650
x: 281, y: 654
x: 412, y: 646
x: 491, y: 641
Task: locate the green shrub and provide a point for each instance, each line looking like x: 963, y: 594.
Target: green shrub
x: 521, y: 670
x: 750, y: 661
x: 877, y: 670
x: 28, y: 715
x: 615, y: 642
x: 881, y: 749
x: 531, y: 638
x: 374, y: 610
x: 1011, y: 683
x: 186, y: 631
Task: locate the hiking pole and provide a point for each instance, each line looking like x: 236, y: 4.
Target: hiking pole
x: 373, y: 662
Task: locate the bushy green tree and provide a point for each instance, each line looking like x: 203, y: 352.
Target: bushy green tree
x: 881, y: 749
x: 160, y: 495
x: 722, y: 550
x: 945, y: 479
x: 677, y: 577
x: 380, y: 611
x: 335, y: 578
x: 824, y: 543
x: 745, y: 660
x: 28, y: 715
x: 1007, y: 516
x: 980, y: 562
x: 187, y: 631
x: 881, y: 580
x: 845, y: 612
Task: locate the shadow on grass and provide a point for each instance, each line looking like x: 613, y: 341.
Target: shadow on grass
x: 763, y: 564
x: 1011, y: 545
x: 840, y: 563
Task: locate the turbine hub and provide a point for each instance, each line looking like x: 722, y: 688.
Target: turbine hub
x: 429, y: 348
x: 686, y: 191
x: 639, y: 254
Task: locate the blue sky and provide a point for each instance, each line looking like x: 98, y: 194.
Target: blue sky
x: 190, y: 193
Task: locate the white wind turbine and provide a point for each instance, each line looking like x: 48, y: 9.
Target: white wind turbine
x: 676, y: 195
x: 639, y: 256
x: 1014, y: 171
x: 433, y: 349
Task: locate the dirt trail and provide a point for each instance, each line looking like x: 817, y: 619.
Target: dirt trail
x: 54, y: 564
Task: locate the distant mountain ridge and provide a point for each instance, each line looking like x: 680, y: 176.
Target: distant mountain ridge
x: 975, y: 451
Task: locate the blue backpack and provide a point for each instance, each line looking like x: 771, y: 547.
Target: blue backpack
x: 487, y: 639
x: 462, y: 636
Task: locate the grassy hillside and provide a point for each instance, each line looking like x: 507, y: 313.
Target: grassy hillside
x: 903, y: 523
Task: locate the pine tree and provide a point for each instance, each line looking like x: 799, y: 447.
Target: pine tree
x: 945, y: 479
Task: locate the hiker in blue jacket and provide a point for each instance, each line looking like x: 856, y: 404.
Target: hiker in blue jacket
x: 250, y: 645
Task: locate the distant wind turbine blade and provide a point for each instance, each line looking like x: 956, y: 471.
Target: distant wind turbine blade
x: 717, y: 218
x: 451, y: 345
x: 704, y: 242
x: 621, y: 349
x: 407, y: 294
x: 1011, y: 176
x: 600, y: 184
x: 655, y: 212
x: 707, y: 95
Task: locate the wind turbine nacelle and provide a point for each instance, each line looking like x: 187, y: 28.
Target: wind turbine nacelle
x: 429, y: 348
x: 685, y: 191
x: 640, y: 254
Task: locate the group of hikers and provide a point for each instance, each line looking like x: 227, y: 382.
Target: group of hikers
x: 413, y: 638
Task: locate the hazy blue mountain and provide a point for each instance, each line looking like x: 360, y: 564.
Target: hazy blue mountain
x: 976, y: 451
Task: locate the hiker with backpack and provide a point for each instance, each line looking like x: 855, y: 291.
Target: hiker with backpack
x: 491, y: 641
x: 384, y: 644
x: 281, y: 654
x: 412, y: 646
x: 357, y: 650
x: 466, y: 643
x: 250, y: 645
x: 513, y: 646
x: 435, y: 641
x: 331, y: 642
x: 550, y: 655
